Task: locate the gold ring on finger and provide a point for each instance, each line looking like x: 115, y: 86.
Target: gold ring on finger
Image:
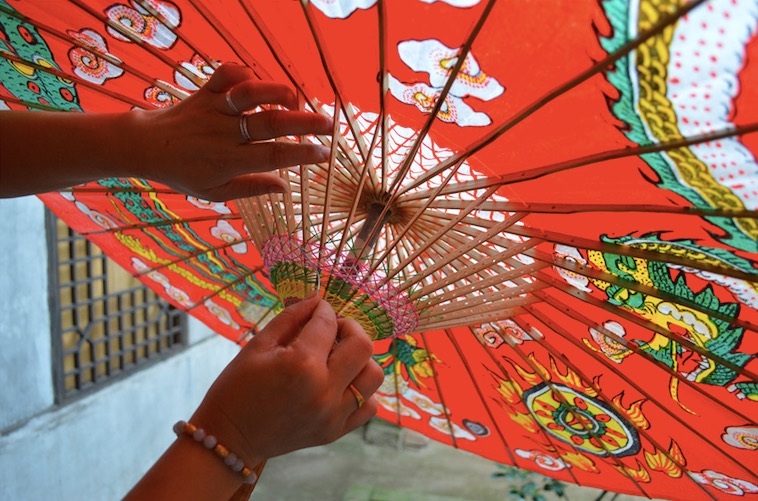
x: 358, y: 396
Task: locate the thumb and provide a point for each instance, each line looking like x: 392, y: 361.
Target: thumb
x: 286, y: 326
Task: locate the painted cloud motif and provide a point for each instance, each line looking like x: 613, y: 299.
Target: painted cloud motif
x: 89, y: 65
x: 226, y: 232
x: 454, y: 110
x: 542, y: 459
x: 198, y: 67
x: 455, y: 3
x: 437, y: 60
x: 341, y: 9
x: 142, y: 24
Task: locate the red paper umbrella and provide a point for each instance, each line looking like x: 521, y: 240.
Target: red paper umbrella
x: 543, y: 212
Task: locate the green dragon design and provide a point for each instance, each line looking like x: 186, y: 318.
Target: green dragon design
x: 712, y: 332
x: 24, y: 55
x: 626, y: 109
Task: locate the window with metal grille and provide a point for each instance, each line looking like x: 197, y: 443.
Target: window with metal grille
x: 105, y: 323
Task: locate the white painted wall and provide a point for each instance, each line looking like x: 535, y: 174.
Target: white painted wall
x: 99, y: 446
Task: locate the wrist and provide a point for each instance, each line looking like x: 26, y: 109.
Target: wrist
x: 209, y: 442
x: 228, y: 434
x: 134, y: 127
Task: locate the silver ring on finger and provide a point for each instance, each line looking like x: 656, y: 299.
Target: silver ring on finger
x: 230, y: 103
x: 244, y: 131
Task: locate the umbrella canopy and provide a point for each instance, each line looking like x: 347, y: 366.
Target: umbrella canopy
x: 544, y: 213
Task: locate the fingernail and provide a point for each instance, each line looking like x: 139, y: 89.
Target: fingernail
x: 323, y: 152
x: 311, y: 295
x: 278, y: 188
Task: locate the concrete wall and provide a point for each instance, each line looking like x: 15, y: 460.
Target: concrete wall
x: 98, y: 446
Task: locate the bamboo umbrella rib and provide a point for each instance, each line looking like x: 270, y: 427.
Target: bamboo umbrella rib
x: 503, y: 298
x: 227, y: 286
x: 237, y: 47
x: 453, y: 222
x: 329, y: 180
x: 453, y: 241
x: 495, y: 360
x: 378, y: 261
x: 420, y: 266
x: 462, y: 234
x: 647, y: 324
x: 408, y: 161
x: 596, y: 274
x: 482, y: 278
x: 484, y: 237
x: 553, y: 208
x: 251, y: 218
x: 467, y: 270
x: 341, y: 173
x: 305, y: 195
x: 480, y: 265
x: 361, y: 143
x: 383, y: 117
x: 277, y: 213
x: 74, y: 78
x: 479, y: 285
x: 334, y: 83
x: 569, y: 409
x: 395, y: 379
x: 512, y: 271
x: 161, y: 223
x: 94, y: 50
x: 481, y: 318
x: 545, y: 99
x: 623, y: 250
x: 408, y: 224
x: 590, y: 324
x: 178, y: 32
x: 286, y: 199
x: 483, y: 313
x: 401, y: 251
x: 536, y: 173
x: 480, y: 395
x: 122, y: 30
x: 367, y: 168
x: 411, y: 196
x: 87, y: 189
x: 193, y: 255
x: 445, y: 410
x: 463, y: 53
x: 289, y: 69
x: 29, y: 104
x: 317, y: 198
x: 343, y: 189
x: 552, y: 324
x: 245, y: 336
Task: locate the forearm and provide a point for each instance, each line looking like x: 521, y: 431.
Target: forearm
x: 41, y: 152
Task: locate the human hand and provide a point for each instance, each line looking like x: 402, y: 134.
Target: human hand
x: 197, y: 146
x: 288, y: 388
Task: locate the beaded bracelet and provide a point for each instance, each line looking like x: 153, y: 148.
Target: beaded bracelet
x: 211, y: 443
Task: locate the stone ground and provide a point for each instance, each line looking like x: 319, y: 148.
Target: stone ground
x: 384, y: 463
